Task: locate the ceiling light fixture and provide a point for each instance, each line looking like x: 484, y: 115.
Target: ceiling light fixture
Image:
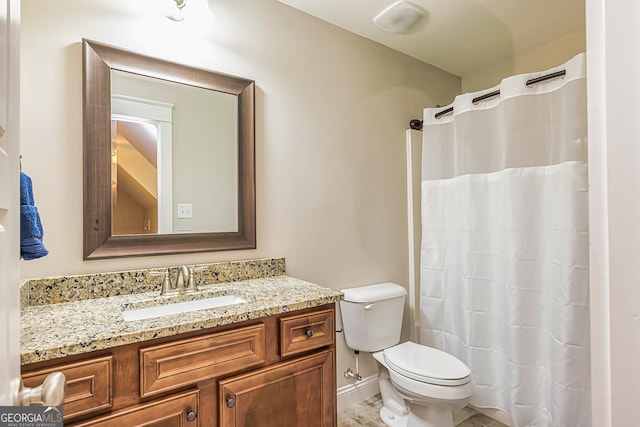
x: 175, y: 11
x: 400, y: 17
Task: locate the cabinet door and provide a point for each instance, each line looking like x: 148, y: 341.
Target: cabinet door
x: 180, y: 410
x: 300, y: 392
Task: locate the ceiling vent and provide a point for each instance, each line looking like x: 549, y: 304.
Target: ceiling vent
x: 400, y: 17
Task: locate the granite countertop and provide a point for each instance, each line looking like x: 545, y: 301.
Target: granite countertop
x: 57, y: 330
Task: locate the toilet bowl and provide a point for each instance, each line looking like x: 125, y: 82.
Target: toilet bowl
x: 420, y: 385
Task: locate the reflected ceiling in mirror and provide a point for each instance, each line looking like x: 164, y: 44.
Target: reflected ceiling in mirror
x: 168, y: 156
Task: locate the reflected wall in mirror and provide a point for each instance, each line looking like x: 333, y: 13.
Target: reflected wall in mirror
x: 168, y: 156
x: 193, y: 132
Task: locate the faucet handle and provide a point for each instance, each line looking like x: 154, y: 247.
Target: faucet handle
x: 191, y: 283
x: 166, y: 284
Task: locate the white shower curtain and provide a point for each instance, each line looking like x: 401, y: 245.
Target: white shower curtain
x: 504, y: 259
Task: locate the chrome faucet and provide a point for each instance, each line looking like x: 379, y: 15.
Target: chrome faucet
x: 183, y: 277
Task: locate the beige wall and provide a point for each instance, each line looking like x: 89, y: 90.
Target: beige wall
x: 537, y: 59
x: 331, y: 113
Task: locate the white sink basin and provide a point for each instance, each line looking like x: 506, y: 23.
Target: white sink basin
x: 180, y: 307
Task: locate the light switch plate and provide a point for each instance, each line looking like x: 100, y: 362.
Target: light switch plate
x: 185, y: 210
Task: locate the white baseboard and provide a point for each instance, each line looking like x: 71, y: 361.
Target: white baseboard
x: 359, y: 391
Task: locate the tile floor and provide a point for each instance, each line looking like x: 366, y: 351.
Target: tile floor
x: 366, y: 414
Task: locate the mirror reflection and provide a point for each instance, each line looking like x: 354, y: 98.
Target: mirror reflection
x: 174, y: 157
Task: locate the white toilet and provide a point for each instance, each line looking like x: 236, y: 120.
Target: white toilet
x: 420, y: 385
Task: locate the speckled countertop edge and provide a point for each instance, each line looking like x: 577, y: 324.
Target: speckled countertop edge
x: 59, y: 330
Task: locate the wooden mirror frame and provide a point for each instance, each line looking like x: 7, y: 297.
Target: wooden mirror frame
x: 97, y: 62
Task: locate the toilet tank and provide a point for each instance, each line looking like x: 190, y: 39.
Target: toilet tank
x: 372, y: 316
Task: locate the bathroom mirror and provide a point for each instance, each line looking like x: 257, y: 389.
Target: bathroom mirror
x: 169, y: 161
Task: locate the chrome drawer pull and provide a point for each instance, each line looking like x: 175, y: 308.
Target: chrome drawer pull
x: 191, y: 415
x: 231, y: 402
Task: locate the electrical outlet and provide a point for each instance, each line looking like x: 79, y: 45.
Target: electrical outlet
x: 185, y: 210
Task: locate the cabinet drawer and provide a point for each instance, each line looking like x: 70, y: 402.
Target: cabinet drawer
x: 89, y: 387
x: 307, y: 331
x: 180, y: 410
x: 180, y: 363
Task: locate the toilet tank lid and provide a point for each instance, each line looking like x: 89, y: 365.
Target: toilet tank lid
x: 371, y: 293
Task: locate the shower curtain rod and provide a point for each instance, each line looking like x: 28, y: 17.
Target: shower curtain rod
x: 417, y: 123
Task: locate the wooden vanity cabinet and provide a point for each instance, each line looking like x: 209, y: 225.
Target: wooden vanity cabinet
x: 276, y: 371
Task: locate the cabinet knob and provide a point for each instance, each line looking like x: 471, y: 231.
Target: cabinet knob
x: 308, y: 333
x: 231, y: 402
x: 191, y: 415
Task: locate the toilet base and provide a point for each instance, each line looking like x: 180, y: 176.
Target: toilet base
x: 419, y: 416
x: 404, y: 411
x: 392, y: 420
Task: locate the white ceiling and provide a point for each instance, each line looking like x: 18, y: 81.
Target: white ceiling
x: 458, y: 36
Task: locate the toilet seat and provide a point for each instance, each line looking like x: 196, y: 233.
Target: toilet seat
x: 426, y: 364
x: 418, y: 391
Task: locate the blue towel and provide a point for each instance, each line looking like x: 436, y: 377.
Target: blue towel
x: 31, y: 246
